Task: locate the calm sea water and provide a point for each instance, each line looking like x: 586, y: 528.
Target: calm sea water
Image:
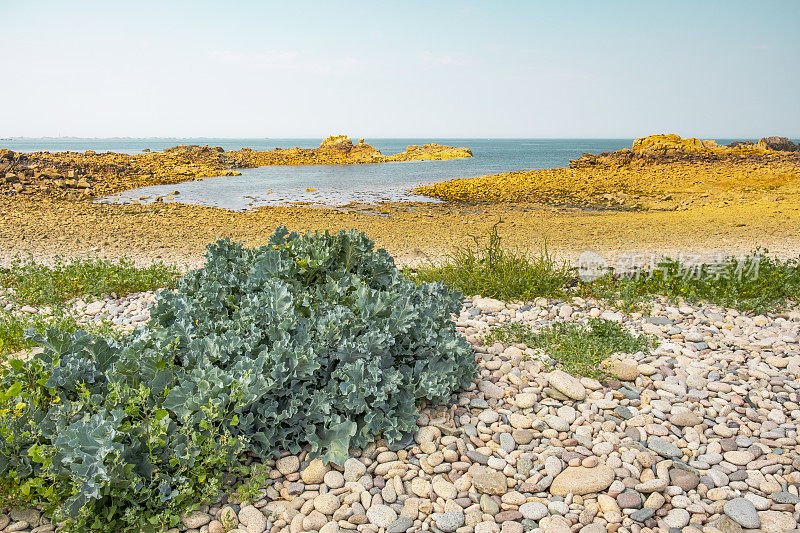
x: 334, y: 184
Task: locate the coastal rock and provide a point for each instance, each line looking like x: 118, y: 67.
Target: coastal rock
x: 782, y: 144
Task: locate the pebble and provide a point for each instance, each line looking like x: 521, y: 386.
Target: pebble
x: 566, y: 385
x: 533, y: 510
x: 581, y: 480
x: 381, y: 515
x: 288, y: 465
x: 450, y: 521
x: 743, y: 512
x: 677, y: 518
x: 353, y: 469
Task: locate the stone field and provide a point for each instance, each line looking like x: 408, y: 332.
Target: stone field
x: 699, y: 434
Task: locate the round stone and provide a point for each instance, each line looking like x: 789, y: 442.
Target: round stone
x: 677, y: 518
x: 381, y: 515
x: 533, y: 510
x: 522, y: 436
x: 421, y: 487
x: 629, y: 500
x: 624, y: 370
x: 427, y: 434
x: 490, y: 483
x: 580, y: 480
x: 739, y: 457
x: 314, y: 473
x: 488, y: 505
x: 652, y: 485
x: 444, y: 488
x: 683, y: 479
x: 288, y: 465
x: 326, y: 503
x: 450, y: 521
x: 525, y: 400
x: 195, y: 519
x: 354, y: 469
x: 743, y: 512
x: 566, y: 385
x: 685, y: 418
x: 334, y: 480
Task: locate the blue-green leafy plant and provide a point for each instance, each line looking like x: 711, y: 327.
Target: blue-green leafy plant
x: 313, y: 340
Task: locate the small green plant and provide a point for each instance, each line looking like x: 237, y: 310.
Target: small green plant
x: 37, y: 284
x: 576, y: 347
x: 488, y: 269
x: 13, y: 328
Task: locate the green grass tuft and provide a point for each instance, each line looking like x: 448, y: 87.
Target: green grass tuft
x: 37, y: 284
x: 492, y: 271
x: 756, y: 282
x: 577, y: 348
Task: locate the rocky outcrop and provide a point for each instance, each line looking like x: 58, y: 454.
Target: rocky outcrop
x: 778, y: 144
x: 671, y: 148
x: 781, y: 144
x: 89, y: 174
x: 659, y: 172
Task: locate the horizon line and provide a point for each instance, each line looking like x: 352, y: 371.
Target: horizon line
x: 366, y: 138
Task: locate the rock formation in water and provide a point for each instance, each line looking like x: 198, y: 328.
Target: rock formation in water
x: 670, y: 148
x: 662, y: 172
x: 89, y: 174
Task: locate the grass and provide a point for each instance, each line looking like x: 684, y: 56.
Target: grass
x: 40, y: 285
x: 756, y: 282
x: 13, y: 328
x: 37, y: 284
x: 489, y: 270
x: 577, y: 348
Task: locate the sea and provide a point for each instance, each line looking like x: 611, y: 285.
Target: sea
x: 330, y: 185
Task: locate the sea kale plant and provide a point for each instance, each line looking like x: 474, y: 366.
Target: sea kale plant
x: 314, y: 340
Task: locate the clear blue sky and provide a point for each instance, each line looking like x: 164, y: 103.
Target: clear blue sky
x: 400, y: 69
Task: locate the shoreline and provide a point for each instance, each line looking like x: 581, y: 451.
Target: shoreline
x: 178, y: 233
x: 693, y: 197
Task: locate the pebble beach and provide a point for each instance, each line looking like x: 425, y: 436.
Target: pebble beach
x: 697, y: 434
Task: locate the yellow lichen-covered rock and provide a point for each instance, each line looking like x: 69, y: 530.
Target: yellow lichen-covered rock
x: 661, y: 172
x: 41, y: 173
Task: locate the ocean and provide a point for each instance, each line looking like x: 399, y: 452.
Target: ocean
x: 335, y: 184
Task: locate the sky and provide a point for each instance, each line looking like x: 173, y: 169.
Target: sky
x: 565, y: 69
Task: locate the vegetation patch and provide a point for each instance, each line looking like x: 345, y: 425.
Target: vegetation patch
x: 490, y: 270
x: 38, y: 284
x: 576, y: 347
x: 313, y: 340
x: 13, y: 328
x: 755, y: 282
